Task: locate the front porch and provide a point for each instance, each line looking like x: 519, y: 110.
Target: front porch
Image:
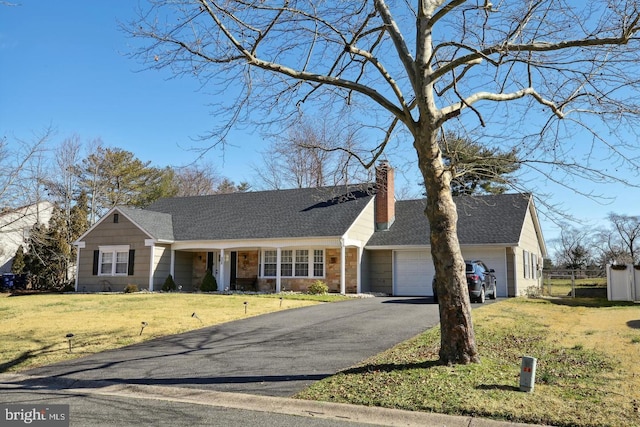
x: 269, y: 269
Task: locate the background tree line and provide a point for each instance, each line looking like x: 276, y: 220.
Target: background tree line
x: 81, y: 189
x: 595, y: 248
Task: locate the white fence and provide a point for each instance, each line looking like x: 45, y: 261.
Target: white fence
x: 623, y: 283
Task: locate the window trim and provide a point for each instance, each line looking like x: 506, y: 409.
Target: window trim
x: 311, y: 262
x: 114, y: 251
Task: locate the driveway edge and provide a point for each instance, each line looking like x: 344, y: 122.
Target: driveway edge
x: 271, y: 404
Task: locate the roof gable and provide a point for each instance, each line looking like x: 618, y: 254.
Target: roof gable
x: 494, y: 219
x: 156, y: 224
x: 295, y: 213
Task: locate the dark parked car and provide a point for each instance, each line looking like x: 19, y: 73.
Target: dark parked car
x: 481, y: 281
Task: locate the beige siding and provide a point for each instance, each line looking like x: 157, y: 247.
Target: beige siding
x: 108, y: 233
x: 363, y: 227
x: 161, y: 266
x: 183, y: 270
x: 378, y: 272
x: 528, y: 252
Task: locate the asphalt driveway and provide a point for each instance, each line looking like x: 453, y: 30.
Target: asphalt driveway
x: 275, y: 354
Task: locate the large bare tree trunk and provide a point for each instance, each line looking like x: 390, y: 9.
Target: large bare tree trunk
x: 457, y: 342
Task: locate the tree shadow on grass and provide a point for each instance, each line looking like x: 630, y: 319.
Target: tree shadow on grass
x: 589, y: 302
x: 391, y: 367
x: 501, y: 387
x: 635, y: 324
x: 23, y: 357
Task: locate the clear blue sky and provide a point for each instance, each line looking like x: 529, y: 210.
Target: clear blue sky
x: 63, y: 63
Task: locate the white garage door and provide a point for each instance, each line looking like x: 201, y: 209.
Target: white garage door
x: 413, y: 272
x: 494, y: 258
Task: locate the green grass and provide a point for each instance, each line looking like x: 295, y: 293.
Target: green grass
x: 33, y: 327
x: 585, y: 375
x: 562, y: 287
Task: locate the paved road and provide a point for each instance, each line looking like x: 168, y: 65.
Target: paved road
x: 276, y: 354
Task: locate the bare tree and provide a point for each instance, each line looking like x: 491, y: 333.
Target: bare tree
x: 609, y: 248
x: 22, y: 173
x: 63, y: 184
x: 311, y: 154
x: 545, y: 71
x: 197, y: 180
x: 572, y: 247
x: 628, y: 229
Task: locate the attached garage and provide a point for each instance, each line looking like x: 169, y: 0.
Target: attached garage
x: 501, y: 230
x: 413, y: 272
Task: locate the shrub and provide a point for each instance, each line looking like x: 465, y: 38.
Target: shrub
x: 69, y: 287
x: 169, y: 285
x: 318, y: 288
x: 209, y: 283
x: 129, y: 289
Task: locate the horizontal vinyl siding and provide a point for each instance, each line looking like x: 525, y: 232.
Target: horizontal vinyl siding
x: 379, y: 272
x: 161, y: 266
x: 363, y: 228
x: 108, y: 233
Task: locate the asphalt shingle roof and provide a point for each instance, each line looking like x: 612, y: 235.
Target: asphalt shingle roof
x: 158, y: 224
x: 495, y: 219
x: 306, y: 212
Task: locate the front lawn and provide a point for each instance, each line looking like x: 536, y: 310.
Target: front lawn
x: 33, y: 328
x: 587, y: 367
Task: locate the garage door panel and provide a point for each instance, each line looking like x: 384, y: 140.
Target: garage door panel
x: 413, y: 272
x: 494, y: 258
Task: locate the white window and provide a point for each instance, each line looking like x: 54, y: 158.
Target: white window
x: 302, y: 263
x: 526, y: 260
x: 534, y: 266
x: 318, y: 263
x: 113, y: 261
x: 286, y: 263
x: 270, y: 263
x: 294, y: 263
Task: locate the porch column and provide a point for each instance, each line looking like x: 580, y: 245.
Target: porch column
x: 343, y: 259
x: 278, y: 270
x: 172, y: 266
x: 221, y: 271
x: 359, y: 271
x: 153, y: 256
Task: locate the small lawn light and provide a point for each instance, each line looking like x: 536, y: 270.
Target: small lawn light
x: 280, y: 302
x: 246, y: 303
x: 68, y: 337
x: 196, y: 316
x: 144, y: 325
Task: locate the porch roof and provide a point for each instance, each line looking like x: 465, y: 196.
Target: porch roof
x: 296, y: 213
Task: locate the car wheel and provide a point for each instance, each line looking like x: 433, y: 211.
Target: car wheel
x: 494, y: 293
x: 481, y: 298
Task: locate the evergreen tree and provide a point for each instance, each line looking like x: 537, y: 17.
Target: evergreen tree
x: 34, y: 257
x: 476, y: 168
x: 18, y: 261
x: 112, y: 176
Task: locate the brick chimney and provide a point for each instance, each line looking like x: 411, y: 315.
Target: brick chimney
x: 385, y: 197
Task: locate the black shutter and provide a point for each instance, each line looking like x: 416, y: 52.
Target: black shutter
x: 132, y: 255
x: 210, y: 261
x: 96, y: 258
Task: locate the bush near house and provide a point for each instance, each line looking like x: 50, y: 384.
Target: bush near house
x: 169, y: 284
x: 129, y: 289
x: 318, y: 288
x: 209, y: 283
